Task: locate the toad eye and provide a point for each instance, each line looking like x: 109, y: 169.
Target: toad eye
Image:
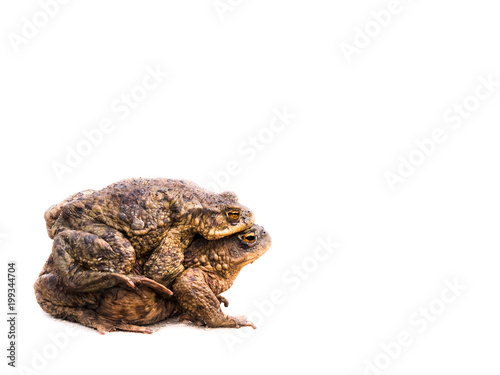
x: 233, y: 215
x: 249, y: 237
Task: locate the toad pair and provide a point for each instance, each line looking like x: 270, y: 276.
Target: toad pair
x: 117, y: 250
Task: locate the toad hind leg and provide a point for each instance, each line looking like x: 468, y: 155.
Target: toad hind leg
x: 129, y: 328
x: 88, y: 263
x: 51, y: 292
x: 104, y: 326
x: 90, y: 318
x: 77, y: 256
x: 200, y: 303
x: 56, y: 301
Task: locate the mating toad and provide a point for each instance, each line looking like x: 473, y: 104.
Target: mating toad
x: 100, y: 235
x: 210, y: 269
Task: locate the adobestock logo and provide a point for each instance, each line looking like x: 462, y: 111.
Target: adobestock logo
x: 122, y: 107
x: 418, y: 322
x: 454, y: 117
x: 293, y: 278
x: 222, y: 7
x: 364, y: 35
x: 31, y: 27
x: 249, y: 149
x: 41, y: 359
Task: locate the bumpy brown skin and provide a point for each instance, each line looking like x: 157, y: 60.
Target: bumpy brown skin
x: 85, y: 308
x: 100, y: 235
x: 211, y: 268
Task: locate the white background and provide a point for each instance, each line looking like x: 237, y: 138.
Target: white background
x: 321, y: 176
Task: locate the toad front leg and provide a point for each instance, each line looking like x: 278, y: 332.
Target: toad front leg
x: 165, y: 263
x: 197, y: 299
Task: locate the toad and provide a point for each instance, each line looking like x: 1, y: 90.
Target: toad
x: 210, y: 268
x: 99, y: 235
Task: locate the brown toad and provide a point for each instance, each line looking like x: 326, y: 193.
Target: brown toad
x: 210, y: 269
x: 99, y: 235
